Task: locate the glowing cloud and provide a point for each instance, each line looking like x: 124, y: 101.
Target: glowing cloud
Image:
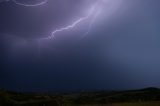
x: 90, y: 17
x: 93, y: 13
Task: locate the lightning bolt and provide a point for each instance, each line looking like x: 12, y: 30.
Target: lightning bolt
x: 74, y: 24
x: 31, y: 5
x: 27, y: 5
x: 92, y: 14
x: 91, y: 24
x: 71, y: 26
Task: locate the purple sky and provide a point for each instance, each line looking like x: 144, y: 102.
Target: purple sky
x: 120, y: 52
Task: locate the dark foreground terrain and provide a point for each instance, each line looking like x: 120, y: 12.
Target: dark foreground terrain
x: 143, y: 97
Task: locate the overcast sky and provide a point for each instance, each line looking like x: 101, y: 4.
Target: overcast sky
x: 122, y: 50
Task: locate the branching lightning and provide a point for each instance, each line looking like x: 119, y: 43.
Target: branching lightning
x: 74, y: 24
x: 90, y: 24
x: 90, y: 18
x: 92, y: 13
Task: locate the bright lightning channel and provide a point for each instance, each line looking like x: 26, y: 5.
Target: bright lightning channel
x: 24, y: 4
x: 93, y: 14
x: 74, y: 24
x: 31, y: 5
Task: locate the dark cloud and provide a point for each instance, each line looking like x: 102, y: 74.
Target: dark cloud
x: 121, y: 51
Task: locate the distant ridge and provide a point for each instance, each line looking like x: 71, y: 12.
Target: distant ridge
x: 150, y: 89
x: 9, y: 98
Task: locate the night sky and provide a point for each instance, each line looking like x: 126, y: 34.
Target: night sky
x: 121, y: 50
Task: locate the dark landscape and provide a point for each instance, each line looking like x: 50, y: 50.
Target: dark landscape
x: 79, y: 52
x: 142, y: 97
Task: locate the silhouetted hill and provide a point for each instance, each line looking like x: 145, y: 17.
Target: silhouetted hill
x: 150, y: 89
x: 8, y: 98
